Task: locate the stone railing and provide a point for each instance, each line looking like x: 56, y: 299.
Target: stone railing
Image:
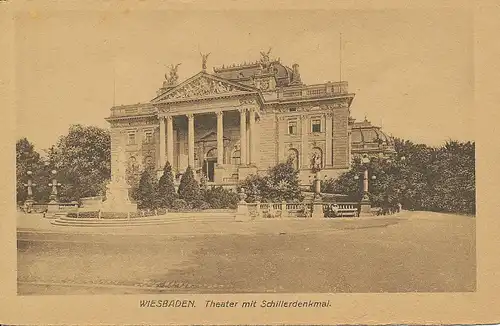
x: 313, y: 91
x: 301, y: 210
x: 131, y: 110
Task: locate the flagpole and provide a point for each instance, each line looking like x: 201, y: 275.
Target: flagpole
x: 340, y: 57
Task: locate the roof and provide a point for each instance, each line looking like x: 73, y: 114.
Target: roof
x: 364, y: 135
x: 245, y: 72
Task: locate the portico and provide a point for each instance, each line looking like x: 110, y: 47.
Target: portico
x: 205, y: 137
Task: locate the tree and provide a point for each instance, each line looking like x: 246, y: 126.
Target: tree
x: 283, y: 182
x: 437, y: 179
x: 166, y: 188
x: 83, y: 161
x: 147, y: 190
x: 189, y: 189
x: 280, y: 183
x: 28, y: 159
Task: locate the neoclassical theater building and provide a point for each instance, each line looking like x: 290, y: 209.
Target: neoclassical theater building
x: 242, y: 119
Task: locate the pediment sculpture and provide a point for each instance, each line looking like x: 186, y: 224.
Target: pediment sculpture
x: 201, y: 87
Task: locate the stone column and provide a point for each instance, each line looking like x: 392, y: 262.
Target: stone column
x: 220, y: 137
x: 252, y: 137
x: 170, y: 140
x: 328, y: 140
x: 191, y: 140
x: 243, y: 135
x: 162, y: 141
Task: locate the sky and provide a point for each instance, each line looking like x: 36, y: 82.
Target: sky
x: 411, y: 70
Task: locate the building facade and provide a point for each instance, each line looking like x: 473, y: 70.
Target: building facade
x: 240, y: 120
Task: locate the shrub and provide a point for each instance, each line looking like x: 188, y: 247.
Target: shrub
x: 281, y: 183
x: 189, y: 189
x: 92, y: 214
x: 147, y: 191
x: 218, y: 198
x: 179, y: 204
x: 166, y: 188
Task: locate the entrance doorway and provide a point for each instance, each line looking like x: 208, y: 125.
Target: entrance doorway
x: 209, y: 164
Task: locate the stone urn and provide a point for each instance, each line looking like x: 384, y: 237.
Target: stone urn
x: 242, y: 195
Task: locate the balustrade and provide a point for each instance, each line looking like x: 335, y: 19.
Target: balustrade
x: 278, y: 210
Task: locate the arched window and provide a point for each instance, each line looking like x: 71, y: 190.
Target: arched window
x: 212, y: 153
x: 293, y: 155
x: 236, y: 157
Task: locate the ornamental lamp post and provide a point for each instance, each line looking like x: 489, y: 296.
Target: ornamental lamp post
x: 365, y: 202
x: 29, y: 185
x: 53, y: 195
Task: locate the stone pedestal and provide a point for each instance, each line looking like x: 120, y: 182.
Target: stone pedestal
x: 318, y: 212
x: 242, y: 214
x: 117, y: 199
x: 53, y: 207
x: 365, y: 208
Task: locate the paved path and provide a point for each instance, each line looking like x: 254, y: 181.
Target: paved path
x: 415, y: 251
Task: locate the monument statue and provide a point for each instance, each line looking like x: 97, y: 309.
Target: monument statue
x: 204, y: 58
x: 117, y: 198
x: 316, y: 161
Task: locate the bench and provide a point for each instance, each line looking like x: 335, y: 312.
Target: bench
x: 347, y: 212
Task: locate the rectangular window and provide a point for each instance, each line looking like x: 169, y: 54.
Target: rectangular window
x: 148, y: 137
x: 316, y: 125
x: 292, y: 127
x: 131, y: 138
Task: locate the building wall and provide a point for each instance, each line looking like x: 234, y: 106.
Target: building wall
x: 267, y: 148
x: 340, y: 140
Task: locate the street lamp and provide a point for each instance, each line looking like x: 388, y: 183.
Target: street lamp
x: 29, y: 185
x: 54, y: 185
x: 365, y: 204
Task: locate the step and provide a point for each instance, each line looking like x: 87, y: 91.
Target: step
x: 70, y: 221
x: 165, y: 218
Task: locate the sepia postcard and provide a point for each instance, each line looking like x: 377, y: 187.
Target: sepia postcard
x: 247, y: 163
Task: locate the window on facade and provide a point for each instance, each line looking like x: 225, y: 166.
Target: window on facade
x: 131, y: 138
x: 148, y: 137
x: 236, y: 157
x: 316, y: 125
x: 292, y: 127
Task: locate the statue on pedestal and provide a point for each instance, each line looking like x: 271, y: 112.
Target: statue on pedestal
x: 204, y: 58
x: 117, y: 198
x: 172, y: 77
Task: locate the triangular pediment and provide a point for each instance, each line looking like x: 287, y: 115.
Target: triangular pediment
x: 211, y: 137
x: 204, y: 85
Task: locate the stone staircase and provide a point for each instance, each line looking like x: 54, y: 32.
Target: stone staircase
x: 150, y: 220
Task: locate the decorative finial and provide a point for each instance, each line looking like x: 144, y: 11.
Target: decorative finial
x: 204, y: 58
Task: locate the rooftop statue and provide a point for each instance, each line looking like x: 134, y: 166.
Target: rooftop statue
x: 265, y: 61
x: 265, y: 56
x: 204, y: 58
x: 172, y: 78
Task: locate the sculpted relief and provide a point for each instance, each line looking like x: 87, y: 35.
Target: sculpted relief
x: 201, y: 87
